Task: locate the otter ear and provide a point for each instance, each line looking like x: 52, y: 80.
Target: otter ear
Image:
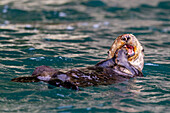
x: 108, y: 52
x: 142, y: 50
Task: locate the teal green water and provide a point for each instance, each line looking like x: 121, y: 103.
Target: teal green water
x: 70, y: 33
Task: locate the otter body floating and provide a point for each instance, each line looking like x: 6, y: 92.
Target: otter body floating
x: 125, y: 60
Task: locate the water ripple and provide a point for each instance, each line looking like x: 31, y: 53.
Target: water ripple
x: 67, y: 34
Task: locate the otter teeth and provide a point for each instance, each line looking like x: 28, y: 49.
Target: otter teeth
x: 129, y: 50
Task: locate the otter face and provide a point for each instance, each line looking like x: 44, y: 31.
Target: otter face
x: 133, y: 47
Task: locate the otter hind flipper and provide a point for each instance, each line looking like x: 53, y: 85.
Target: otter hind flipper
x: 26, y: 79
x: 41, y: 73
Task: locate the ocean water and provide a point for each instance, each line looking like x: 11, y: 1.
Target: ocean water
x: 70, y: 33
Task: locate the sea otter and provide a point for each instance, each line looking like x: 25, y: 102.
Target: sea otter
x: 134, y: 48
x: 125, y: 60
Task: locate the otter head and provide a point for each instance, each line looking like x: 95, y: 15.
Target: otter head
x: 133, y: 47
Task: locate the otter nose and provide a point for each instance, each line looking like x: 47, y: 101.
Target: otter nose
x: 126, y: 39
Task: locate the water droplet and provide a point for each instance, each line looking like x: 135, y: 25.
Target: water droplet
x: 42, y: 57
x: 62, y: 14
x: 31, y: 49
x: 88, y: 108
x: 106, y: 23
x: 32, y: 58
x: 70, y: 28
x: 165, y: 30
x: 60, y: 57
x: 4, y: 11
x: 150, y: 64
x: 96, y: 26
x: 28, y: 26
x: 37, y: 59
x: 6, y: 22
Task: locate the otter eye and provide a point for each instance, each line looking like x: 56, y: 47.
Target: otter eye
x: 123, y: 38
x: 107, y: 52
